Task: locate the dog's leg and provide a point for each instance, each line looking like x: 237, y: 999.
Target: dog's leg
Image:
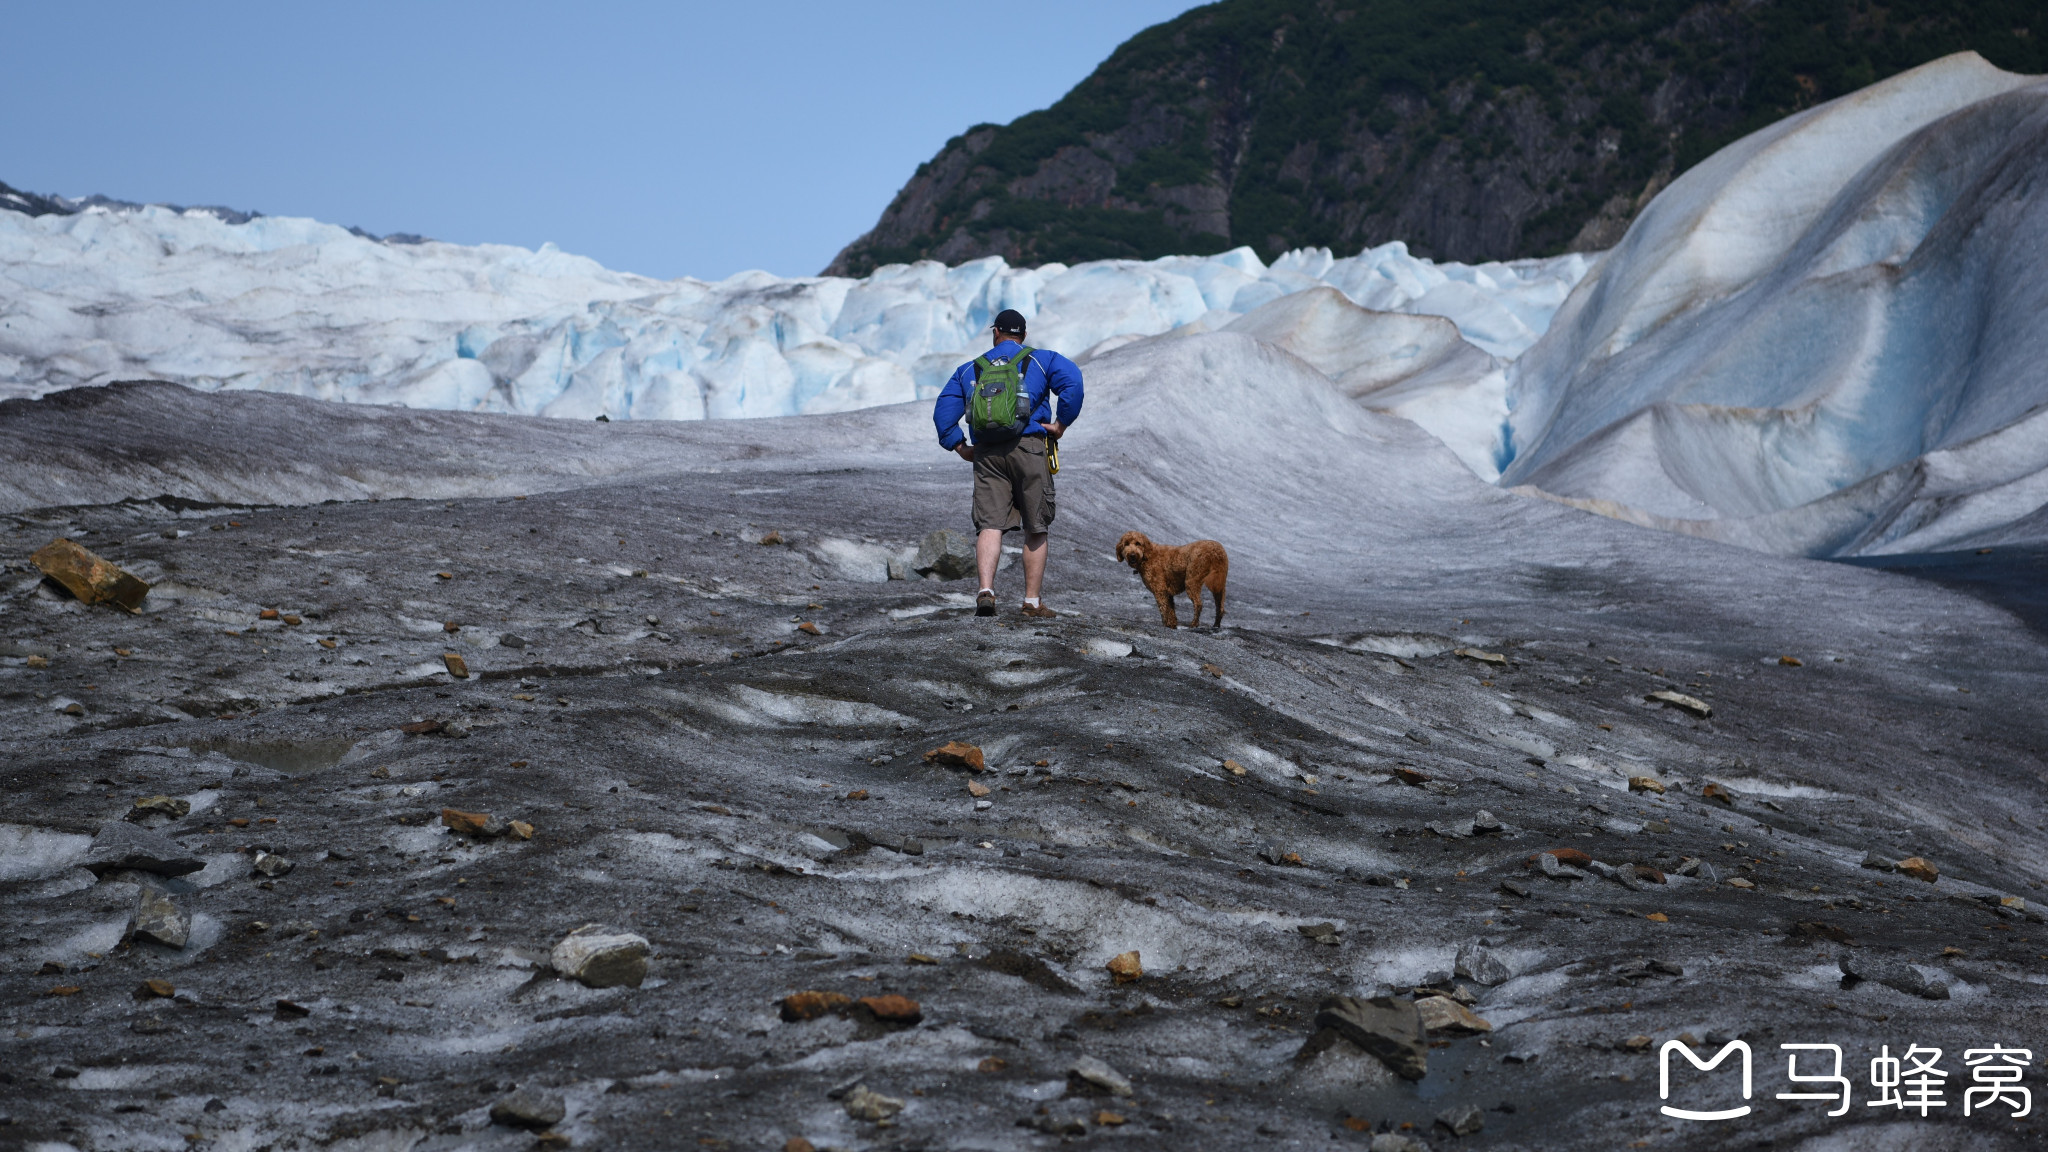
x: 1166, y: 613
x: 1195, y: 598
x: 1216, y: 594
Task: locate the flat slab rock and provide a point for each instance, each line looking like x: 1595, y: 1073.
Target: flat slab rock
x: 122, y: 845
x: 1387, y: 1027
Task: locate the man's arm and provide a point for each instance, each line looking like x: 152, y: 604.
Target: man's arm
x: 947, y: 412
x: 1063, y: 380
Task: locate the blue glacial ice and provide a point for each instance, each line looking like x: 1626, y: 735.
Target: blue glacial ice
x: 297, y: 306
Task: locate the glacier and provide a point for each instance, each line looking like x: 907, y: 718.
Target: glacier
x: 1824, y: 340
x: 296, y: 306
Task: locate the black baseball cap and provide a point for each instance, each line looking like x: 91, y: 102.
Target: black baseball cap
x: 1009, y: 321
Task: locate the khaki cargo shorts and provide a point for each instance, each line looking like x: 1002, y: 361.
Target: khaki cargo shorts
x: 1013, y: 487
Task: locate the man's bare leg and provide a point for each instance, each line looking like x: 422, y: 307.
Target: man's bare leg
x: 988, y: 551
x: 1034, y: 565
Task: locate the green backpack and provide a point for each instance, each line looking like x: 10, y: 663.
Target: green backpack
x: 998, y: 411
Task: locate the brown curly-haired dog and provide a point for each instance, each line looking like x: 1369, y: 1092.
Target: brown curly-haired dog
x: 1170, y: 571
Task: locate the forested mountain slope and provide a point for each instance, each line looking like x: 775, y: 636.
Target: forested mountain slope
x: 1472, y: 129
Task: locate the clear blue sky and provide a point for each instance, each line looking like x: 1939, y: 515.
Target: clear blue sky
x: 695, y: 139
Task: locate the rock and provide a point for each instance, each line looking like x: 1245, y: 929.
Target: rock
x: 124, y: 845
x: 977, y: 789
x: 1452, y: 829
x: 1482, y: 657
x: 1387, y: 1027
x: 895, y: 569
x: 811, y: 1005
x: 1682, y: 702
x: 1443, y: 1014
x: 863, y: 1103
x: 1412, y: 777
x: 1090, y: 1071
x: 270, y: 864
x: 421, y: 727
x: 1324, y: 933
x: 798, y: 1144
x: 1791, y: 662
x: 1272, y: 854
x: 1807, y: 930
x: 456, y: 665
x: 1485, y: 823
x: 480, y: 825
x: 809, y: 629
x: 1396, y: 1142
x: 1739, y: 882
x: 946, y: 554
x: 602, y: 959
x: 1876, y: 863
x: 1478, y: 963
x: 169, y: 807
x: 86, y: 576
x: 1894, y: 974
x: 1715, y: 794
x: 1462, y: 1119
x: 1515, y: 888
x: 1648, y: 874
x: 1440, y: 787
x: 157, y: 918
x: 1550, y: 865
x: 508, y: 640
x: 1124, y: 967
x: 529, y: 1108
x: 1646, y: 784
x: 158, y: 988
x: 957, y: 754
x: 771, y: 539
x: 1919, y: 869
x: 892, y: 1009
x: 1689, y: 866
x: 1108, y: 1119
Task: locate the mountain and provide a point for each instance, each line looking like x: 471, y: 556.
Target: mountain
x: 1471, y: 129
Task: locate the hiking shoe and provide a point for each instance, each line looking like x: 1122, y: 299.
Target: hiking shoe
x: 985, y: 604
x: 1039, y: 610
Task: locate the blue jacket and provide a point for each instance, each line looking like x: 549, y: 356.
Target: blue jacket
x: 1046, y: 374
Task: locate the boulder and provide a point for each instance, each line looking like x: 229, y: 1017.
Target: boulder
x: 947, y: 554
x: 88, y: 577
x: 1096, y: 1074
x: 1387, y: 1027
x: 602, y: 959
x: 1443, y: 1014
x: 158, y: 919
x: 529, y: 1108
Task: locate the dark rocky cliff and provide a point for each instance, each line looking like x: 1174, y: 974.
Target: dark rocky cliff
x: 1472, y: 129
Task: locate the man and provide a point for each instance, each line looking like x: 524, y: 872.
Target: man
x: 1005, y: 397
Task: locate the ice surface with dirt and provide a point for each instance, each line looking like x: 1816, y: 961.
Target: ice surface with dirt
x: 687, y: 668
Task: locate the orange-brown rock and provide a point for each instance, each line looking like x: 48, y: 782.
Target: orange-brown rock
x: 478, y: 824
x: 893, y: 1009
x: 88, y: 577
x: 1571, y: 856
x: 957, y: 754
x: 811, y: 1005
x: 1918, y: 868
x: 1124, y: 967
x: 457, y: 666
